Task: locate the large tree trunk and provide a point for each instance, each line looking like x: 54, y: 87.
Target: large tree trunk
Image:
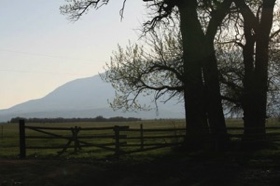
x: 213, y: 98
x: 197, y: 126
x: 202, y: 93
x: 255, y: 82
x: 248, y: 95
x: 211, y: 77
x: 262, y: 45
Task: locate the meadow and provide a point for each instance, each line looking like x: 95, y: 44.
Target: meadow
x: 165, y: 166
x: 9, y: 136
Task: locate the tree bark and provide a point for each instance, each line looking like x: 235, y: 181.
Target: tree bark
x: 202, y: 93
x: 213, y: 98
x: 248, y: 96
x: 254, y: 99
x: 262, y: 45
x: 211, y: 76
x: 197, y: 126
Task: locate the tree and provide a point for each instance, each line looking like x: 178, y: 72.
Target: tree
x: 252, y: 34
x: 160, y: 70
x: 202, y: 90
x: 257, y: 24
x: 200, y: 77
x: 199, y: 22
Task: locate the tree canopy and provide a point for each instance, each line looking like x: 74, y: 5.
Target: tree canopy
x: 197, y: 74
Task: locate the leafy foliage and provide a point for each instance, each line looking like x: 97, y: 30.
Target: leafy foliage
x: 154, y: 69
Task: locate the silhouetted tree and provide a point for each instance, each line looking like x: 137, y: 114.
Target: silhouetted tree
x: 199, y: 23
x: 200, y: 70
x: 252, y: 25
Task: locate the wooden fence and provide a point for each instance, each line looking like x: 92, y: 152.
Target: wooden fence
x: 118, y: 139
x: 272, y: 134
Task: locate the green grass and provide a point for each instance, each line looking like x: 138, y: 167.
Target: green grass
x: 159, y: 167
x: 9, y: 139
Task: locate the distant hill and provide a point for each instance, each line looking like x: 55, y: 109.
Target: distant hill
x: 86, y: 97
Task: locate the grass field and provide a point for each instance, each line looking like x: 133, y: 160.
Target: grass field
x: 9, y: 136
x: 159, y: 167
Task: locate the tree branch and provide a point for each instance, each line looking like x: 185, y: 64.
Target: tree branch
x: 76, y: 8
x: 217, y: 17
x: 247, y: 14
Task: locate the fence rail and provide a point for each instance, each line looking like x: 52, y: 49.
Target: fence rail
x: 118, y: 139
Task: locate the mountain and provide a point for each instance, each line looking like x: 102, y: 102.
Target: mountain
x: 86, y: 97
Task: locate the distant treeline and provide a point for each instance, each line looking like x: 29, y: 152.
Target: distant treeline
x: 66, y: 120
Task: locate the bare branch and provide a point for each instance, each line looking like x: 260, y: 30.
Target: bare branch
x: 274, y: 34
x: 122, y: 9
x: 75, y: 9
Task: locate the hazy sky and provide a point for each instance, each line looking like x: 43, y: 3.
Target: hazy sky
x: 40, y: 49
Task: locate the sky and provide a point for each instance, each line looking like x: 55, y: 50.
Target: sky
x: 40, y: 49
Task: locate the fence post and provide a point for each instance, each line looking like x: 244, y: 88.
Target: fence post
x: 2, y: 132
x: 117, y: 141
x: 22, y: 146
x: 75, y: 132
x: 142, y: 136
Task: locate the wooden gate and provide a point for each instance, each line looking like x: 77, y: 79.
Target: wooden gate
x: 72, y: 139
